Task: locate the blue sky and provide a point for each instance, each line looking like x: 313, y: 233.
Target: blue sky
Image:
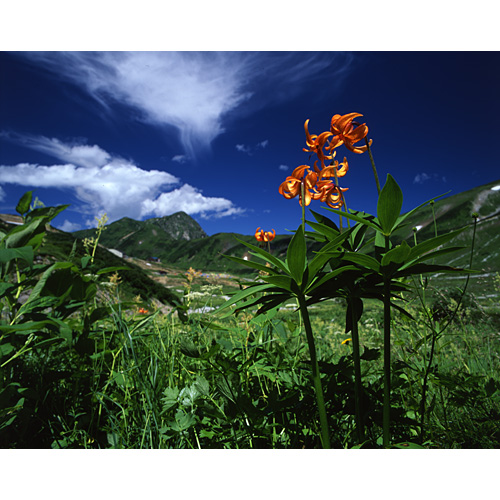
x: 146, y: 134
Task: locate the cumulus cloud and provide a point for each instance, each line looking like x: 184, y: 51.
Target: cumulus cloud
x: 69, y: 227
x: 190, y: 200
x: 118, y: 187
x: 193, y: 92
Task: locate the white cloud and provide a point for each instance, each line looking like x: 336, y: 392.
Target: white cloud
x: 242, y: 148
x: 250, y: 150
x: 180, y: 158
x: 2, y: 194
x: 69, y: 227
x: 421, y: 178
x: 119, y: 188
x: 193, y: 92
x: 190, y: 200
x: 76, y: 153
x: 284, y: 168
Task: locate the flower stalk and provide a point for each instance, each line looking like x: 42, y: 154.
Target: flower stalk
x: 320, y: 400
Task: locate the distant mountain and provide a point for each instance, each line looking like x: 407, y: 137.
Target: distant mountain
x: 149, y: 238
x: 178, y: 240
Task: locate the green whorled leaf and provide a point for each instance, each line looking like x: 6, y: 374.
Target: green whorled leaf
x: 323, y: 229
x: 328, y: 276
x: 24, y: 203
x: 403, y: 217
x: 264, y: 303
x: 322, y: 219
x: 296, y: 255
x: 265, y: 255
x: 397, y: 255
x: 284, y: 282
x: 365, y: 219
x: 434, y: 255
x: 428, y: 268
x: 363, y: 260
x: 358, y: 235
x: 250, y: 263
x: 430, y: 244
x: 243, y: 294
x: 390, y: 202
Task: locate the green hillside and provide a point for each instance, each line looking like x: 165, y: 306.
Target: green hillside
x: 179, y: 241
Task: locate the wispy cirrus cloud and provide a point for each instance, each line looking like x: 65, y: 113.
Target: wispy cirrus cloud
x: 106, y: 183
x: 193, y: 92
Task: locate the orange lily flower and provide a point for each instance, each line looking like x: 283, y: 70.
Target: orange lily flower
x: 331, y: 194
x: 264, y: 236
x: 343, y: 131
x: 334, y: 171
x: 291, y: 187
x: 316, y: 144
x: 142, y: 311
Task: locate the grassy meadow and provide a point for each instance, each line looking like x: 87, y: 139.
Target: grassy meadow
x: 85, y: 363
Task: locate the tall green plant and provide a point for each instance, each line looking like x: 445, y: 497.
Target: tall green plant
x: 343, y: 267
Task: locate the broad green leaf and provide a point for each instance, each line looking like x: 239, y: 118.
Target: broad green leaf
x: 397, y: 255
x: 363, y: 260
x: 429, y: 268
x: 430, y: 244
x: 367, y: 220
x: 250, y: 263
x: 24, y: 203
x: 265, y: 255
x: 389, y: 205
x: 329, y: 276
x: 296, y: 255
x: 280, y: 281
x: 242, y: 294
x: 325, y: 221
x: 24, y: 253
x: 21, y: 235
x: 434, y: 255
x: 403, y: 217
x: 323, y: 229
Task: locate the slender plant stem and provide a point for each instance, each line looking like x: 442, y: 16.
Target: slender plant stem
x: 358, y: 389
x: 386, y: 418
x: 325, y: 435
x: 373, y: 165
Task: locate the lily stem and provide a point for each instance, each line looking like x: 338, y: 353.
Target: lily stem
x: 373, y: 165
x: 357, y: 376
x: 386, y: 416
x: 325, y: 435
